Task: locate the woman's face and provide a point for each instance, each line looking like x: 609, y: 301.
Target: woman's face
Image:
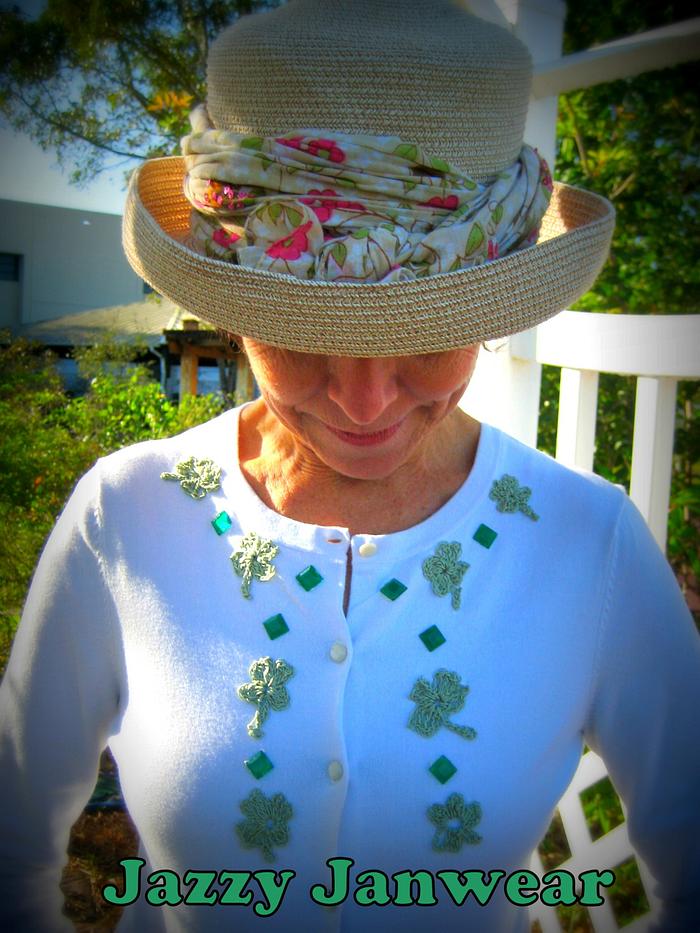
x: 362, y: 417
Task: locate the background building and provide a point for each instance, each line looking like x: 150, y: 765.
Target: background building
x: 56, y: 261
x: 65, y: 282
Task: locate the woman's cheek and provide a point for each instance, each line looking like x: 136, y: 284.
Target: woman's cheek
x: 283, y: 374
x: 440, y: 375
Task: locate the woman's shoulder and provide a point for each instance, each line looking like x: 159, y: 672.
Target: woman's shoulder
x: 575, y: 494
x: 212, y: 440
x: 132, y: 478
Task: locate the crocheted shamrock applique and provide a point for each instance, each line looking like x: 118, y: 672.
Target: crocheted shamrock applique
x: 436, y: 702
x: 196, y: 477
x: 454, y: 821
x: 253, y: 561
x: 445, y: 571
x: 265, y: 823
x: 511, y: 496
x: 266, y: 690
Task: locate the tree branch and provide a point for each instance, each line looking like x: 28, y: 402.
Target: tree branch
x: 621, y: 187
x: 126, y: 78
x: 72, y: 131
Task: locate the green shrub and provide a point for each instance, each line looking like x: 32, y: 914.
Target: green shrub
x: 48, y: 440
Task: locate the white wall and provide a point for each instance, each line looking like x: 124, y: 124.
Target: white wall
x: 72, y: 261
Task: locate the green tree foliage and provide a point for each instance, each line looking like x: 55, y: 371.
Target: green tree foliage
x: 48, y: 439
x: 94, y: 80
x: 36, y: 478
x: 636, y: 142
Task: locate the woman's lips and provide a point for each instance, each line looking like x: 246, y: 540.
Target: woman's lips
x: 367, y: 439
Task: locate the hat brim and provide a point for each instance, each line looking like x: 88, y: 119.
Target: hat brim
x: 439, y: 312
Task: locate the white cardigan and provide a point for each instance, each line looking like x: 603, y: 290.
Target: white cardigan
x: 136, y: 634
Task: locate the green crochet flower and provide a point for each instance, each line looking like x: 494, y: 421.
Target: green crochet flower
x: 266, y: 690
x: 445, y: 571
x: 455, y: 821
x: 253, y: 561
x: 265, y: 823
x: 511, y: 496
x: 196, y: 477
x: 436, y: 702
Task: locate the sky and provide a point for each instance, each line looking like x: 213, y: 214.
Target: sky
x: 28, y: 174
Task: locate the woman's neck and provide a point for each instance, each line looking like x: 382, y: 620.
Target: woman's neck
x: 292, y: 481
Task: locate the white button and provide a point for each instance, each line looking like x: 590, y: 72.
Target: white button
x: 338, y: 652
x: 368, y: 549
x: 335, y: 770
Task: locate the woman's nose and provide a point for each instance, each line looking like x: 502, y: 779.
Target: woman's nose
x: 363, y: 387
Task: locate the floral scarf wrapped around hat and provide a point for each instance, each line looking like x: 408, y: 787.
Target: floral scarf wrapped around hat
x: 345, y: 208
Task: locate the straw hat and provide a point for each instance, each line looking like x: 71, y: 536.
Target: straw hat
x: 429, y: 73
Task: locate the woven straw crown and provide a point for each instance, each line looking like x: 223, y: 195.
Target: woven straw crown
x: 427, y: 72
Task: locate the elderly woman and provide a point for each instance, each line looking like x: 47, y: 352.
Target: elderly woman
x: 346, y: 643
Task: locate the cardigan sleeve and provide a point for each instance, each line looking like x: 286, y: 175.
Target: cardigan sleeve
x: 59, y: 701
x: 645, y: 714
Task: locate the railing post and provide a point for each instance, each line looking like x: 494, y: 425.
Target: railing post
x: 540, y: 25
x: 578, y: 403
x: 652, y: 451
x: 505, y: 387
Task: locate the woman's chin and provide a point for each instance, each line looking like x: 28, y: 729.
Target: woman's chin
x: 367, y: 457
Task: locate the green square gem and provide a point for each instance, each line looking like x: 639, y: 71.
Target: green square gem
x: 222, y: 523
x: 393, y: 589
x: 485, y: 536
x: 442, y: 769
x: 309, y: 578
x: 276, y: 626
x: 259, y: 765
x: 432, y: 638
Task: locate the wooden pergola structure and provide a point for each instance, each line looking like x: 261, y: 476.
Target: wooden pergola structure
x: 191, y: 344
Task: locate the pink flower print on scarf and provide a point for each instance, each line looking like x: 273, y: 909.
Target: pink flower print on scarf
x: 450, y: 203
x: 324, y: 208
x: 293, y: 222
x: 224, y: 238
x: 225, y: 196
x: 294, y: 142
x: 545, y: 174
x: 326, y: 149
x: 292, y: 246
x: 362, y: 256
x: 209, y: 236
x: 272, y: 222
x: 285, y: 235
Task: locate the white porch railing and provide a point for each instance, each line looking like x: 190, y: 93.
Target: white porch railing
x: 505, y: 391
x: 659, y: 350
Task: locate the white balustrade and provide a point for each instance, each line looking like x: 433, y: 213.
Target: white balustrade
x: 658, y: 351
x: 505, y: 391
x: 578, y: 402
x: 652, y: 451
